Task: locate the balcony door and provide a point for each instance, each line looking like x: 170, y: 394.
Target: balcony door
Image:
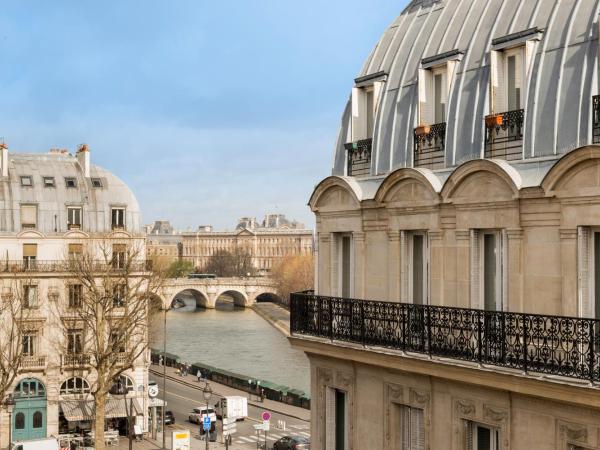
x: 29, y: 414
x: 343, y: 265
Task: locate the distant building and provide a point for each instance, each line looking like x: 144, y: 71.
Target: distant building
x: 163, y: 244
x: 275, y: 238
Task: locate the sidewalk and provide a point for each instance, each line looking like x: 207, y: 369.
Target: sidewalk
x: 276, y: 315
x: 196, y: 444
x: 219, y: 389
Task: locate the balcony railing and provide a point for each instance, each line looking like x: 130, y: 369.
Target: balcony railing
x: 564, y: 346
x: 504, y: 135
x: 430, y: 143
x: 359, y: 158
x: 596, y: 119
x: 33, y: 362
x: 18, y: 266
x: 76, y: 360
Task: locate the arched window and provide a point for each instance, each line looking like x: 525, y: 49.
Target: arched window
x: 20, y: 421
x: 37, y: 419
x: 30, y: 387
x: 75, y: 385
x: 127, y: 382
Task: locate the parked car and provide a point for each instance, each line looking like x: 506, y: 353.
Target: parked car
x: 198, y: 414
x: 292, y: 443
x: 169, y: 418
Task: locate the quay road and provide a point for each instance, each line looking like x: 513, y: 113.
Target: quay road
x: 185, y: 393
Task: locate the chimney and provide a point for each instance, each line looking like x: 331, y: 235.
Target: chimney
x: 83, y: 157
x: 4, y: 159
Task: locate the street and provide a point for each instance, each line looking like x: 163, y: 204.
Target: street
x: 182, y: 398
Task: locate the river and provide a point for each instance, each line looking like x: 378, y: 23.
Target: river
x: 234, y: 339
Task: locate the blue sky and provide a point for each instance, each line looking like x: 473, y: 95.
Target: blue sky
x: 209, y: 110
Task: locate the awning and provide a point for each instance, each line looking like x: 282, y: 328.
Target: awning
x: 76, y: 410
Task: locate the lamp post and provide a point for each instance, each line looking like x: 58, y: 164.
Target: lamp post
x: 119, y: 390
x: 207, y: 394
x: 164, y: 361
x: 9, y: 402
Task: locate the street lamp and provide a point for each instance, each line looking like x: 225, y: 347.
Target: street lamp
x: 118, y: 389
x: 164, y: 361
x: 207, y: 394
x: 9, y: 402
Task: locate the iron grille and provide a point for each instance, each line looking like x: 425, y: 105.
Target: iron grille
x: 359, y: 158
x: 596, y: 123
x: 429, y: 147
x: 505, y: 140
x: 565, y: 346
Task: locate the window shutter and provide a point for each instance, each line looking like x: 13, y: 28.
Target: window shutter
x: 405, y: 427
x: 498, y: 101
x: 329, y: 419
x: 519, y: 78
x: 417, y: 431
x: 404, y: 266
x: 28, y: 214
x: 335, y: 257
x: 504, y: 269
x: 476, y: 297
x: 468, y: 435
x: 30, y: 250
x: 427, y: 116
x: 583, y: 270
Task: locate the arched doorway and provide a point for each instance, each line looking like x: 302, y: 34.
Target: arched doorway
x: 29, y: 415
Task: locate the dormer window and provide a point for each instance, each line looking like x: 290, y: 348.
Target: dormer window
x: 510, y: 61
x: 96, y: 182
x: 70, y: 182
x: 26, y: 181
x: 435, y: 77
x: 49, y: 182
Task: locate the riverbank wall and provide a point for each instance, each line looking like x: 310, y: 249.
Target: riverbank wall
x: 274, y: 314
x: 252, y: 386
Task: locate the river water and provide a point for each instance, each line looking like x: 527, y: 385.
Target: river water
x: 234, y: 339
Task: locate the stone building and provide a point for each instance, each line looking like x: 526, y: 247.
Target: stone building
x: 163, y: 244
x: 53, y: 207
x: 464, y: 206
x: 267, y: 243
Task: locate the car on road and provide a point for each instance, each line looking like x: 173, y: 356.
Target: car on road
x: 198, y: 414
x: 169, y: 418
x: 292, y: 443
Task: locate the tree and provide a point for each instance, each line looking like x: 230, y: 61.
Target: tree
x: 231, y: 264
x: 105, y: 317
x: 294, y: 274
x: 179, y: 269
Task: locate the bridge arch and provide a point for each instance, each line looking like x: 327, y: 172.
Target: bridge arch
x: 201, y: 299
x: 239, y: 297
x: 268, y: 296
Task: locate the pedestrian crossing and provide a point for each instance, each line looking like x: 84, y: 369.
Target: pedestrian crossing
x: 271, y: 436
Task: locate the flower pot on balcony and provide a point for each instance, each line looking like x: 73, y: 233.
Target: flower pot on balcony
x: 493, y: 120
x: 422, y: 130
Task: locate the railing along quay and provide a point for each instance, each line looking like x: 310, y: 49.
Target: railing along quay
x: 19, y: 266
x: 555, y: 345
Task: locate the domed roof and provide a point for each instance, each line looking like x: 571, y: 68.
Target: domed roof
x: 55, y: 181
x: 560, y: 79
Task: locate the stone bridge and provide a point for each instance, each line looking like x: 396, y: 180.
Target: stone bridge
x: 244, y: 291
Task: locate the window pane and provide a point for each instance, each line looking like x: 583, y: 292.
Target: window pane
x: 370, y: 113
x: 340, y: 420
x: 418, y: 269
x: 440, y: 113
x: 37, y: 419
x: 20, y: 421
x: 489, y: 271
x: 346, y: 244
x: 597, y: 275
x: 513, y: 87
x: 483, y: 438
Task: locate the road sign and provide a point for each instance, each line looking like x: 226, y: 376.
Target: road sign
x: 259, y: 426
x: 206, y: 422
x: 181, y: 440
x: 266, y: 425
x: 266, y: 416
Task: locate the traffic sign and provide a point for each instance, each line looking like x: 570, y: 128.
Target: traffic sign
x: 266, y: 416
x: 266, y: 425
x: 206, y: 422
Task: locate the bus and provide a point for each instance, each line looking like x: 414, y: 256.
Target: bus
x: 201, y: 276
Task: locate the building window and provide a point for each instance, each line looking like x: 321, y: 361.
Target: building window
x: 30, y: 297
x: 96, y: 182
x: 28, y: 216
x: 414, y: 277
x: 29, y: 344
x: 343, y: 264
x: 27, y: 181
x: 336, y: 413
x: 117, y: 342
x: 126, y: 382
x: 70, y: 182
x: 118, y: 218
x: 482, y: 437
x: 49, y: 182
x: 488, y: 269
x: 75, y: 385
x: 29, y: 256
x: 75, y: 295
x: 73, y: 217
x: 75, y: 341
x: 589, y: 272
x: 119, y: 295
x: 75, y: 251
x: 119, y: 256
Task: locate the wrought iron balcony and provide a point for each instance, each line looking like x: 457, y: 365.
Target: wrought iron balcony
x: 430, y: 143
x: 556, y: 345
x: 504, y: 135
x: 596, y: 119
x: 30, y: 265
x: 359, y: 158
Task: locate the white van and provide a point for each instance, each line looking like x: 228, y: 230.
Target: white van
x: 36, y: 444
x: 232, y: 407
